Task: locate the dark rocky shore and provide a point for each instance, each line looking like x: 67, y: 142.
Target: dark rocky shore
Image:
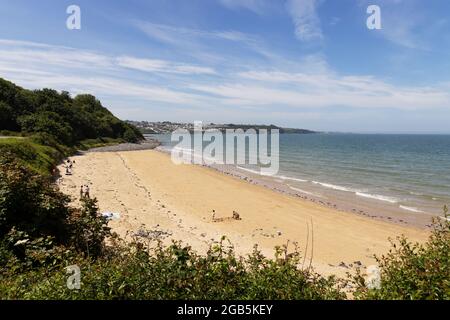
x: 145, y: 145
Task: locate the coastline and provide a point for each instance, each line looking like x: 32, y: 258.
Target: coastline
x: 370, y: 207
x: 149, y: 192
x: 339, y: 173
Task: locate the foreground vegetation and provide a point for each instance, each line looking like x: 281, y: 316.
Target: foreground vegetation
x: 41, y: 234
x: 414, y: 271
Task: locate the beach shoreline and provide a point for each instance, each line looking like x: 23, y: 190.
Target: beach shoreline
x: 374, y: 210
x: 151, y: 193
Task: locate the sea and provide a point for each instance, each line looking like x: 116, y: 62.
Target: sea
x: 403, y: 173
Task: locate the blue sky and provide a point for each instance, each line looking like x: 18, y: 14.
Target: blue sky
x: 298, y: 63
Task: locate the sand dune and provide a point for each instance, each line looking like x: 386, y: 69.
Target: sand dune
x: 146, y: 188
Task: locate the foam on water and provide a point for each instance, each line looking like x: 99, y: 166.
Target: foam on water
x: 291, y: 178
x: 335, y: 187
x: 411, y: 209
x: 305, y: 192
x: 252, y: 171
x: 377, y: 197
x: 364, y: 168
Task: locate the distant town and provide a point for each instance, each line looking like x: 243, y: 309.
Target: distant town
x: 147, y: 127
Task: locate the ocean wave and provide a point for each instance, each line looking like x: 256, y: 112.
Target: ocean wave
x: 253, y: 171
x: 182, y: 149
x: 305, y: 192
x: 377, y: 197
x: 290, y: 178
x: 335, y: 187
x: 192, y: 153
x: 411, y: 209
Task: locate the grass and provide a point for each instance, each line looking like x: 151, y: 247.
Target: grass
x: 41, y: 159
x: 99, y: 142
x: 33, y: 152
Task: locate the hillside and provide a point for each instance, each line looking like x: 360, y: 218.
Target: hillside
x: 56, y: 115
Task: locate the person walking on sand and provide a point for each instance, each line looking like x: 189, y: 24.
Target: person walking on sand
x: 86, y: 192
x: 82, y: 192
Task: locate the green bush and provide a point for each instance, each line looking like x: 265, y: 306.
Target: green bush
x: 68, y: 120
x: 7, y: 121
x: 50, y: 123
x: 414, y: 271
x: 30, y: 203
x: 138, y: 271
x: 33, y: 155
x: 88, y: 229
x: 40, y: 235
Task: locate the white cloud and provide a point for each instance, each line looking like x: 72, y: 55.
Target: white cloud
x: 18, y: 53
x: 180, y: 35
x: 302, y: 12
x: 305, y: 19
x: 78, y: 71
x: 321, y: 90
x: 257, y: 6
x: 199, y: 44
x: 312, y: 86
x: 153, y: 65
x: 101, y: 86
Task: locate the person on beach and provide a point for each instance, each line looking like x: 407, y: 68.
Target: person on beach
x: 236, y: 216
x: 86, y: 192
x: 82, y: 192
x: 213, y: 216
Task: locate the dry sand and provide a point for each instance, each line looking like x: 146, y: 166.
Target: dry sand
x: 146, y: 188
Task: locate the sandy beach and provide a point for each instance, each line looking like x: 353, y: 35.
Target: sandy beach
x: 149, y: 192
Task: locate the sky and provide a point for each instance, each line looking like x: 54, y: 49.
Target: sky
x: 310, y: 64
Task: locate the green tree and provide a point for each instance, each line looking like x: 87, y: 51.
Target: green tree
x: 48, y: 122
x: 30, y: 202
x: 7, y: 119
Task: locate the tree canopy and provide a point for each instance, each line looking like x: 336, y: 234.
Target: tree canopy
x: 68, y: 120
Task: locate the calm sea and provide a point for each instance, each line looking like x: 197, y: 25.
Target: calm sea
x: 408, y: 172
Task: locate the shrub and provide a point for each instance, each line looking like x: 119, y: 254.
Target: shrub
x: 50, y: 123
x: 88, y: 229
x: 67, y: 120
x: 412, y: 270
x: 7, y: 121
x: 35, y: 157
x: 30, y: 203
x: 130, y: 136
x: 138, y: 271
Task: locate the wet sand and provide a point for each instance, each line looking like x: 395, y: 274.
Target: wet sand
x: 149, y: 192
x: 364, y: 207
